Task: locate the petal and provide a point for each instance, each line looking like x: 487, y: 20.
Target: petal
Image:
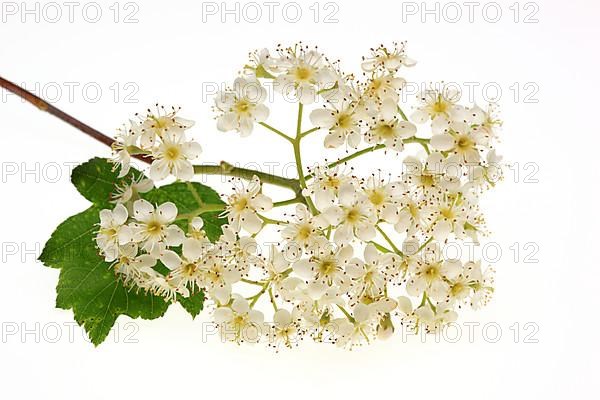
x: 142, y: 210
x: 119, y: 214
x: 167, y: 212
x: 170, y: 259
x: 322, y: 117
x: 443, y: 142
x: 174, y: 235
x: 251, y: 222
x: 222, y: 315
x: 192, y: 249
x: 371, y: 254
x: 159, y: 170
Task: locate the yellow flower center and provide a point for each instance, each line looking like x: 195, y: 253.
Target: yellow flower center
x: 432, y: 272
x: 447, y: 212
x: 189, y: 269
x: 440, y: 106
x: 172, y: 153
x: 352, y: 215
x: 386, y: 131
x: 154, y: 228
x: 240, y: 203
x: 332, y: 182
x: 457, y: 288
x: 303, y: 74
x: 377, y: 197
x: 427, y: 180
x: 304, y: 232
x: 464, y: 142
x: 345, y: 121
x: 327, y: 267
x: 242, y: 107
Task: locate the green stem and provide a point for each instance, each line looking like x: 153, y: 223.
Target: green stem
x: 390, y: 242
x: 381, y: 248
x: 298, y: 158
x: 297, y: 199
x: 272, y: 298
x: 346, y: 313
x: 424, y: 244
x: 271, y: 221
x: 423, y: 142
x: 308, y: 132
x: 251, y: 282
x: 227, y: 169
x: 423, y: 300
x: 402, y: 114
x: 257, y: 295
x: 201, y: 210
x: 277, y: 131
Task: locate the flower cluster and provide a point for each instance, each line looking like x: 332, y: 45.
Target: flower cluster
x: 354, y: 255
x: 159, y: 134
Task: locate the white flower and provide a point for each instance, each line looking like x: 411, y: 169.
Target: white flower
x: 440, y: 107
x: 390, y: 60
x: 185, y: 270
x: 244, y: 204
x: 277, y: 267
x: 242, y: 249
x: 434, y: 321
x: 411, y: 214
x: 325, y: 185
x: 133, y: 267
x: 463, y: 141
x: 173, y: 156
x: 388, y: 128
x: 113, y: 232
x: 431, y: 275
x: 384, y: 86
x: 305, y: 72
x: 241, y: 107
x: 123, y: 194
x: 165, y: 288
x: 451, y: 214
x: 125, y: 141
x: 360, y: 329
x: 353, y: 217
x: 286, y: 329
x: 304, y: 232
x: 481, y: 282
x: 341, y: 122
x: 486, y: 120
x: 327, y: 266
x: 239, y: 323
x: 153, y: 227
x: 262, y: 65
x: 161, y: 122
x: 371, y: 275
x: 384, y: 197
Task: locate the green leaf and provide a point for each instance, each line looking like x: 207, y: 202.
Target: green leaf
x: 190, y: 197
x: 96, y: 180
x: 87, y: 284
x: 193, y: 304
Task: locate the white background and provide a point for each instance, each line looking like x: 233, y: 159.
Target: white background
x: 169, y: 55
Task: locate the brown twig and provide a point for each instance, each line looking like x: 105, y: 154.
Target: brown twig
x: 223, y: 168
x: 63, y: 116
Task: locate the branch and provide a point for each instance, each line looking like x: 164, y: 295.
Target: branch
x: 222, y: 169
x: 63, y: 116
